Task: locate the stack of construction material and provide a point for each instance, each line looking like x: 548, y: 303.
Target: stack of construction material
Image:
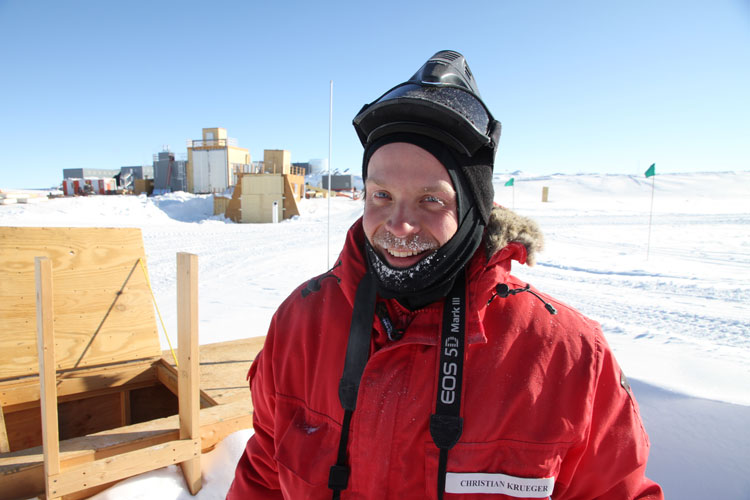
x: 13, y: 197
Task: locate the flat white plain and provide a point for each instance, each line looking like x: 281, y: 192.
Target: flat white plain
x: 673, y: 304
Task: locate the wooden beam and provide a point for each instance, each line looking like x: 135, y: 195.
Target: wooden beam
x: 4, y: 445
x: 167, y: 375
x: 79, y: 383
x: 188, y: 358
x: 46, y: 356
x: 122, y: 466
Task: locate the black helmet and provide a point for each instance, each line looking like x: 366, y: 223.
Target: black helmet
x: 441, y: 101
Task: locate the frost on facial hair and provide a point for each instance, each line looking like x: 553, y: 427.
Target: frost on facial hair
x: 396, y: 277
x: 399, y: 278
x: 415, y: 242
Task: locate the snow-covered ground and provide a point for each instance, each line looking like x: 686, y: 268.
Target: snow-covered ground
x: 673, y: 302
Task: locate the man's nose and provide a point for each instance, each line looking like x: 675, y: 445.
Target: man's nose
x: 402, y: 221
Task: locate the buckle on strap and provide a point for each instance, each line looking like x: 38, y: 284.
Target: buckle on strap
x: 338, y: 477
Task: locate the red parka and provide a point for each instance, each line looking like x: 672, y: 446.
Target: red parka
x: 543, y: 398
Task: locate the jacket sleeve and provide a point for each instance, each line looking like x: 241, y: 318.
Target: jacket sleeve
x: 610, y: 463
x: 256, y: 475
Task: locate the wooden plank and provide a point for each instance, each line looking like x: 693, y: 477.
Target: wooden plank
x: 4, y: 445
x: 151, y: 403
x: 233, y: 211
x: 166, y: 373
x: 122, y: 466
x: 24, y: 428
x: 224, y: 367
x: 87, y: 416
x: 188, y: 379
x: 104, y: 310
x: 46, y: 357
x: 86, y: 380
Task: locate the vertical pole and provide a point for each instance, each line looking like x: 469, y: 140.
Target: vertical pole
x: 45, y: 343
x: 330, y: 134
x: 650, y: 215
x: 188, y: 379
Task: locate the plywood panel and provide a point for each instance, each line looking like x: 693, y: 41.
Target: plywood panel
x: 150, y: 403
x: 87, y: 416
x: 293, y: 186
x: 24, y: 428
x: 103, y: 308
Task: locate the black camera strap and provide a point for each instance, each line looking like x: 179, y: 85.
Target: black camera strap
x: 357, y: 352
x: 446, y: 423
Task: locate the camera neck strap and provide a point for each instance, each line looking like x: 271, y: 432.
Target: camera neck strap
x: 446, y: 423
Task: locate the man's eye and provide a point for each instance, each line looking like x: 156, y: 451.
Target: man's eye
x: 380, y: 195
x: 433, y: 199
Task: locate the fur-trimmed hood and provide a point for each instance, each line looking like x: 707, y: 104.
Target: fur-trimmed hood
x: 505, y: 226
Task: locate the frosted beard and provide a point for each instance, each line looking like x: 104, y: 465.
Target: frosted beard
x: 432, y: 277
x: 403, y: 247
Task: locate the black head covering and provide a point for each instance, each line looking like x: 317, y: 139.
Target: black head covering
x: 440, y: 111
x: 440, y: 101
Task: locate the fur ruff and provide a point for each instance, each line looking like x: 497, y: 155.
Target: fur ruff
x: 506, y: 226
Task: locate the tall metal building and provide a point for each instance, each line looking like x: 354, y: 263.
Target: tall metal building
x: 169, y: 173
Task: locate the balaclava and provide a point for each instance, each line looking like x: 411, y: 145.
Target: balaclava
x: 440, y: 111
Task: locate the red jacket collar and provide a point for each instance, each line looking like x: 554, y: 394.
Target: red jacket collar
x: 483, y: 275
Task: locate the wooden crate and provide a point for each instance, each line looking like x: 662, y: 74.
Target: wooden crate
x: 102, y: 366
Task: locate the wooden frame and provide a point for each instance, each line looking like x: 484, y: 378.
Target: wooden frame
x: 114, y: 391
x: 186, y: 450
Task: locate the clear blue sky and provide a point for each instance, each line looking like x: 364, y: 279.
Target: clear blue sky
x: 580, y: 86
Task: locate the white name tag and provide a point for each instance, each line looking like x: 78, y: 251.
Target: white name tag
x: 499, y: 484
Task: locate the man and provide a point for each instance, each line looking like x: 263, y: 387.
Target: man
x: 418, y: 367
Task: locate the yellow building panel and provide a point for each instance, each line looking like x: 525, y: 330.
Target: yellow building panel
x: 277, y: 161
x: 258, y: 208
x: 263, y: 184
x: 214, y: 133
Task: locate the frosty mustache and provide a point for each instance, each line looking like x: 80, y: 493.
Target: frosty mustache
x: 414, y: 242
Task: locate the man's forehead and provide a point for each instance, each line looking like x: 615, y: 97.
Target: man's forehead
x: 423, y: 184
x: 403, y: 162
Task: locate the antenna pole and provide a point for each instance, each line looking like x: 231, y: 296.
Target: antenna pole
x: 330, y: 132
x: 650, y: 215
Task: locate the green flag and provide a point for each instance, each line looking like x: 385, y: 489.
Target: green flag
x: 510, y: 182
x: 651, y: 170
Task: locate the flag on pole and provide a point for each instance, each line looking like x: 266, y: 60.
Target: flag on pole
x: 510, y: 182
x: 651, y: 170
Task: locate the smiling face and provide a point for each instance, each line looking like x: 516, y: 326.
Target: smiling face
x: 410, y: 207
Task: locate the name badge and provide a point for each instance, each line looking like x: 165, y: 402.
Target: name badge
x: 499, y: 484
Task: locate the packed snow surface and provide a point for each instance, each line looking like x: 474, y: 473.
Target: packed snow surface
x: 671, y: 288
